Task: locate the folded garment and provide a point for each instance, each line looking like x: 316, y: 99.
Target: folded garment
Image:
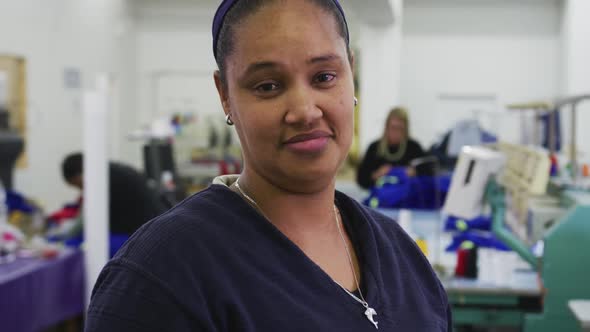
x: 482, y: 223
x: 398, y: 190
x: 476, y: 238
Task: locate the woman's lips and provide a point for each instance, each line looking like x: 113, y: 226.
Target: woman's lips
x: 312, y: 142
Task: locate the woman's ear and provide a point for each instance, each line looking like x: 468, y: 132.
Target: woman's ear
x: 222, y: 91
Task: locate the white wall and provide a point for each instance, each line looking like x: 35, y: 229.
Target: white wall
x: 175, y: 67
x: 174, y: 43
x: 576, y: 67
x: 501, y: 51
x: 379, y: 61
x: 90, y: 36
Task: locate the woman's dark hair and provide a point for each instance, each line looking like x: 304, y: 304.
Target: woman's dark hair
x: 244, y: 8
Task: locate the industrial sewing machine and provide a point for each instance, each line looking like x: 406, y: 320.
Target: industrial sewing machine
x: 525, y: 207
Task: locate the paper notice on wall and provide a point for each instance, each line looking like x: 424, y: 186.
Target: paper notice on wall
x: 3, y: 88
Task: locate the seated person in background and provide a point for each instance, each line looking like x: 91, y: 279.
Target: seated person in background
x: 131, y: 201
x: 394, y: 149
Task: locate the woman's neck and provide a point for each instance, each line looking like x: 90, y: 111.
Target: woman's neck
x: 309, y: 220
x: 295, y: 214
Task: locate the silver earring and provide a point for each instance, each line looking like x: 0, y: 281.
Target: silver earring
x: 228, y: 120
x: 356, y: 101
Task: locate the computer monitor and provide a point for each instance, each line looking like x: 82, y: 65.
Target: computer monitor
x: 158, y: 157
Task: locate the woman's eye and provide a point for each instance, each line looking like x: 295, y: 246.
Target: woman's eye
x: 267, y: 87
x: 324, y: 77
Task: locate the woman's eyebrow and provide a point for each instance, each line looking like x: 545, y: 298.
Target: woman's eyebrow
x: 265, y: 65
x: 325, y: 58
x: 258, y: 66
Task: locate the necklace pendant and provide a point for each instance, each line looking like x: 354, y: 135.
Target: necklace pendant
x: 370, y: 312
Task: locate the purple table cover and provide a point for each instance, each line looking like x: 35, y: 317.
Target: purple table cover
x: 37, y: 293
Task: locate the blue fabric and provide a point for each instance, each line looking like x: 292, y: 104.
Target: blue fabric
x: 116, y: 241
x: 213, y: 263
x: 482, y: 223
x: 226, y: 6
x: 397, y: 190
x: 17, y: 202
x: 478, y: 231
x: 479, y: 239
x: 487, y: 137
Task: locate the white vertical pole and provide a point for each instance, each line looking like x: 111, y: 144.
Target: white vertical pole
x: 96, y: 197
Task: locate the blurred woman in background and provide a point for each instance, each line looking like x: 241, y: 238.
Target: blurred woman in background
x: 394, y: 149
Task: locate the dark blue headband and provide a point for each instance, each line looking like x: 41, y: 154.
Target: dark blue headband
x: 226, y: 5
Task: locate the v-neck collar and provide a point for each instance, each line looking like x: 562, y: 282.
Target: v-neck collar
x: 360, y: 228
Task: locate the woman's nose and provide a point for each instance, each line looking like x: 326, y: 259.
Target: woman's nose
x: 301, y: 107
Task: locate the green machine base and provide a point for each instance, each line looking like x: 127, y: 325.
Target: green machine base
x: 565, y: 271
x: 487, y: 310
x: 565, y: 266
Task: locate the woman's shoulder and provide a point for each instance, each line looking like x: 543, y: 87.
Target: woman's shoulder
x: 372, y: 148
x: 414, y: 143
x: 198, y: 221
x: 374, y: 145
x: 169, y: 257
x: 382, y: 225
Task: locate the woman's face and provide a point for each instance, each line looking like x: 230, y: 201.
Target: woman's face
x: 290, y: 94
x: 396, y: 131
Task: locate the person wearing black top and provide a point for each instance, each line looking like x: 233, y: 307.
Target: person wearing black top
x: 131, y: 201
x: 394, y: 149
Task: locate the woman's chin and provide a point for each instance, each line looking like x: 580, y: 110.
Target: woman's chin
x: 303, y: 175
x: 308, y: 179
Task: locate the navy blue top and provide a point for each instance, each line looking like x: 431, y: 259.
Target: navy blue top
x: 214, y: 264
